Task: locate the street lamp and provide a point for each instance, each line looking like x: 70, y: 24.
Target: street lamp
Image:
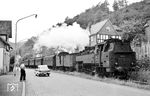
x: 16, y: 32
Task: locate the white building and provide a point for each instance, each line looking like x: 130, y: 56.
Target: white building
x: 5, y: 34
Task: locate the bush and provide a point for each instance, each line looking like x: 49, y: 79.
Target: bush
x: 143, y: 76
x: 143, y: 72
x: 144, y: 63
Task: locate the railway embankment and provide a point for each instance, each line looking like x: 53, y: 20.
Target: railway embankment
x: 131, y: 83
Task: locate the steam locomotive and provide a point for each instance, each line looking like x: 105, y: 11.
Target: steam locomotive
x: 113, y: 57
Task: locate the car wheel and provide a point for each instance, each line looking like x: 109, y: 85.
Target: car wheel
x: 47, y: 74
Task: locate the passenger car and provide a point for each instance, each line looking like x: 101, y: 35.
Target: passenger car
x: 42, y: 70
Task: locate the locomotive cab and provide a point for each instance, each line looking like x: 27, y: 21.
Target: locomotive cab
x: 117, y: 56
x: 105, y: 56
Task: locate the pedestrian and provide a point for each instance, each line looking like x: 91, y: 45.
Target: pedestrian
x: 22, y: 72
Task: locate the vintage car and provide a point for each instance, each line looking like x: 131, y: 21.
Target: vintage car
x: 42, y: 70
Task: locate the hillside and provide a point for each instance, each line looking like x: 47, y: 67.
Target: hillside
x: 98, y: 13
x: 131, y: 18
x: 26, y: 50
x: 19, y: 44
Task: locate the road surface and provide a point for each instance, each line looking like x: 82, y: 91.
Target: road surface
x: 65, y: 85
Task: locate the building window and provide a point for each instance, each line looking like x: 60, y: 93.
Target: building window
x: 113, y: 37
x: 119, y: 37
x: 102, y: 38
x: 92, y: 39
x: 106, y: 36
x: 116, y: 36
x: 98, y: 36
x: 108, y: 29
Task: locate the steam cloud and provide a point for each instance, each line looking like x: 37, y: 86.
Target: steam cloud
x: 64, y: 37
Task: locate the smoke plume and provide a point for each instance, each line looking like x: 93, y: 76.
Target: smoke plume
x: 64, y: 37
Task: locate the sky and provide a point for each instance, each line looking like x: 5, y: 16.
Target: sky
x: 49, y: 13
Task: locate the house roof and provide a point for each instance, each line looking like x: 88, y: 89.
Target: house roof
x: 6, y: 27
x: 96, y: 27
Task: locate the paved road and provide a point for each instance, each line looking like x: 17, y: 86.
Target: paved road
x: 64, y: 85
x: 10, y: 85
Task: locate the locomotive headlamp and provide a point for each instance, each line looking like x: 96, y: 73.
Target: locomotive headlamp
x: 132, y: 64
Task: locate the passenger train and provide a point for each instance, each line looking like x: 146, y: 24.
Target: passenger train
x: 113, y: 57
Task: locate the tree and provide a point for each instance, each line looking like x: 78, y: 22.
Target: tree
x: 116, y: 18
x: 106, y: 2
x: 104, y: 6
x: 59, y: 24
x: 126, y: 3
x: 70, y: 21
x: 134, y: 29
x: 53, y: 26
x: 115, y: 5
x: 122, y: 3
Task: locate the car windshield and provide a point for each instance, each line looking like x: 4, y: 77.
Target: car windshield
x: 43, y: 67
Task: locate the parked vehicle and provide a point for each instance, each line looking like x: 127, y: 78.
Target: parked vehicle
x: 42, y: 70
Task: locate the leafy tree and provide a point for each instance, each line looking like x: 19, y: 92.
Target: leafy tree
x: 27, y: 47
x: 116, y: 18
x: 70, y: 21
x: 115, y: 5
x: 59, y: 24
x: 122, y: 3
x: 31, y: 41
x: 126, y: 3
x: 45, y: 51
x: 53, y: 26
x: 27, y: 56
x: 134, y: 30
x: 104, y: 6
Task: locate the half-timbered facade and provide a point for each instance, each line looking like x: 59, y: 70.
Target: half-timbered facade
x: 103, y: 30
